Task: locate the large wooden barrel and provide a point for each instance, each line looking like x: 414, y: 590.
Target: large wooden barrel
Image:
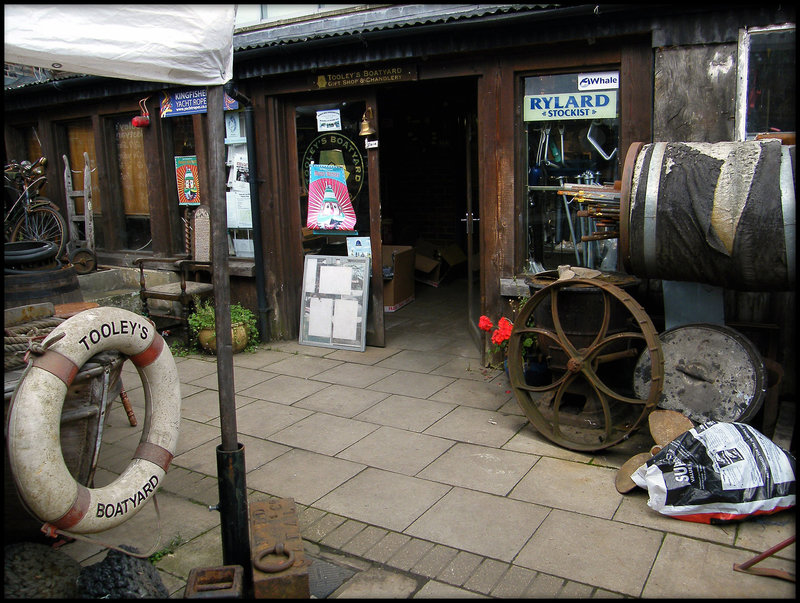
x: 717, y: 213
x: 59, y: 286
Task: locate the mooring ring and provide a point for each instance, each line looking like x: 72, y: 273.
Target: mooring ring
x: 272, y: 567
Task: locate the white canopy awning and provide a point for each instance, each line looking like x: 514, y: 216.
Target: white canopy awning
x: 176, y: 44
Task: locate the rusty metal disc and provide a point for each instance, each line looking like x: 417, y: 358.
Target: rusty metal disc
x: 711, y: 372
x: 666, y: 425
x: 623, y: 481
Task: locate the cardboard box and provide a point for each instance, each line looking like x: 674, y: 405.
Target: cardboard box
x: 398, y: 290
x: 434, y: 259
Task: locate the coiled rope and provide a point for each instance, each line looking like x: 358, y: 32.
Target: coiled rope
x: 19, y: 339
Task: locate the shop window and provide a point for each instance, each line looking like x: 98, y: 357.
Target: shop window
x: 328, y: 137
x: 132, y: 175
x: 766, y: 81
x: 571, y: 136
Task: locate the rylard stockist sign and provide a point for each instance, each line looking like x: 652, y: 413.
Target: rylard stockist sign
x: 595, y: 98
x: 578, y: 105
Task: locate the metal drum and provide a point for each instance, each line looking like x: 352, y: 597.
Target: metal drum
x: 717, y: 213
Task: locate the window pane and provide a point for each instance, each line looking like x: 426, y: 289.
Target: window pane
x: 133, y: 183
x: 771, y: 82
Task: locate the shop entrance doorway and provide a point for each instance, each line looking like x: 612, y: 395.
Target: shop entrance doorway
x: 429, y: 186
x: 411, y: 183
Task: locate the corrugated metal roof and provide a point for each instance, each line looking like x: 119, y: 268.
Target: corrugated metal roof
x: 372, y: 19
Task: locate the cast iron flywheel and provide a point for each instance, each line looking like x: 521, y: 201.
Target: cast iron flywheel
x: 587, y: 401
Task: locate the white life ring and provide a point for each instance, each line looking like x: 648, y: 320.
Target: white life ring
x: 33, y: 429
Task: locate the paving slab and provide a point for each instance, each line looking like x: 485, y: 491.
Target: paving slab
x: 592, y: 550
x: 570, y: 486
x: 481, y: 523
x: 407, y: 383
x: 261, y: 419
x: 377, y: 583
x: 468, y: 392
x: 323, y: 433
x: 406, y: 412
x: 381, y: 498
x: 677, y: 573
x: 341, y: 400
x: 479, y: 468
x: 283, y: 389
x: 302, y: 475
x: 396, y: 450
x: 410, y: 360
x: 477, y: 426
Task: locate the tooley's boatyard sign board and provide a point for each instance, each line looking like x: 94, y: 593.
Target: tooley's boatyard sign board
x: 365, y: 77
x: 595, y: 98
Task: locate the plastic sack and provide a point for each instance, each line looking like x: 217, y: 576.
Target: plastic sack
x: 717, y: 473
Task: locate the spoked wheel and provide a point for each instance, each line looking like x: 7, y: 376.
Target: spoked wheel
x: 84, y: 260
x: 590, y: 403
x: 42, y: 223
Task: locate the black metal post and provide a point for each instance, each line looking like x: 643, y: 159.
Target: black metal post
x: 230, y: 454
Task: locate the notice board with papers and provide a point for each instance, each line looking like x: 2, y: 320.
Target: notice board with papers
x: 334, y: 304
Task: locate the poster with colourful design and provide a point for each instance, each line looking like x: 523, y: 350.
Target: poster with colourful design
x: 186, y: 175
x: 329, y: 205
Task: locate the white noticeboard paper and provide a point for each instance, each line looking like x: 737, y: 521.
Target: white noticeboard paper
x: 334, y: 304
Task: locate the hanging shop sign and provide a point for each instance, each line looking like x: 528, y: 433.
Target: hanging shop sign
x: 336, y: 149
x: 364, y: 77
x: 186, y: 175
x: 187, y: 102
x: 578, y: 105
x: 329, y: 206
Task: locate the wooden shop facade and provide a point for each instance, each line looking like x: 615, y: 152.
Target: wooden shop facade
x: 455, y: 125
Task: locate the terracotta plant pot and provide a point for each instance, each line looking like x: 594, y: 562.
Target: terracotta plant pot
x: 208, y: 338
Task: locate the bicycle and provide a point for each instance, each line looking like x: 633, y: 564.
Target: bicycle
x: 32, y: 217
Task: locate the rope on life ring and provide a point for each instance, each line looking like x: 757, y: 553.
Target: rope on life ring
x: 44, y: 483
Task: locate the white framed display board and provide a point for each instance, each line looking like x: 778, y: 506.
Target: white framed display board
x: 333, y: 310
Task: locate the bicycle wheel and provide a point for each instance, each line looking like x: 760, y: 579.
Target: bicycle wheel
x: 42, y: 223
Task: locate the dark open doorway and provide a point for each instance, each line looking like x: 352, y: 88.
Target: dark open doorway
x: 429, y: 174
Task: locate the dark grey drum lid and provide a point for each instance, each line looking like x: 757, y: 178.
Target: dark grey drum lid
x: 711, y: 372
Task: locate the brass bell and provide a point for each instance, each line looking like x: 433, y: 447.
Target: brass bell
x: 366, y: 123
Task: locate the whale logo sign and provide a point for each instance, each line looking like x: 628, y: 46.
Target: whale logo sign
x: 605, y: 80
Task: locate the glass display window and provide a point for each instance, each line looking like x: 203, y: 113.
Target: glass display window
x: 571, y: 137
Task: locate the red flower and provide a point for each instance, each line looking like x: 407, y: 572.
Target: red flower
x: 484, y: 324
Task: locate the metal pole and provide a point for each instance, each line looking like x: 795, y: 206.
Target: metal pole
x: 230, y: 455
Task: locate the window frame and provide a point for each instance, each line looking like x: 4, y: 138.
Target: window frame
x: 742, y: 73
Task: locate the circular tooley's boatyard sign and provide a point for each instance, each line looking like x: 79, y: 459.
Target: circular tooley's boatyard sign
x: 336, y: 149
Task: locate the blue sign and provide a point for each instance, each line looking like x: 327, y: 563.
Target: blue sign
x: 187, y: 102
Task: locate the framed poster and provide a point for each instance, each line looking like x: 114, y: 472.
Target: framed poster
x: 329, y: 206
x: 333, y: 311
x: 186, y: 176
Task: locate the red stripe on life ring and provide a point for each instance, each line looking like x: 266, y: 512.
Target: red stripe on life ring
x: 150, y: 354
x: 76, y: 511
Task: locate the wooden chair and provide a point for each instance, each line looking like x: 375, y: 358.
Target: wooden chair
x: 185, y: 290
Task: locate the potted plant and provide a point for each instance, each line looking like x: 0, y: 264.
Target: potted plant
x: 244, y: 332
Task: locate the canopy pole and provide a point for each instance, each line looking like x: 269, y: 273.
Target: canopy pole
x: 230, y: 455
